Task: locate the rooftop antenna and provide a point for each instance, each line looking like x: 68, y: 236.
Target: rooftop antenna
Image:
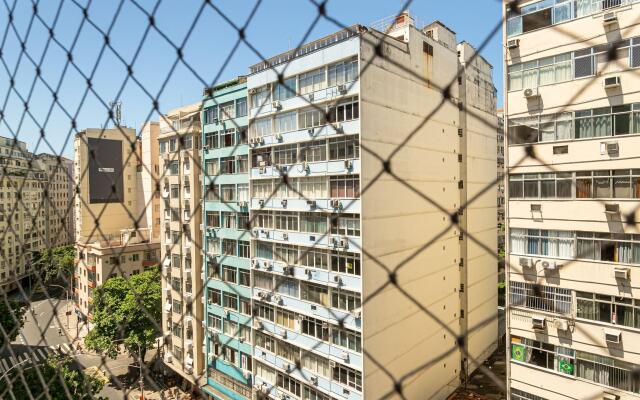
x: 116, y: 107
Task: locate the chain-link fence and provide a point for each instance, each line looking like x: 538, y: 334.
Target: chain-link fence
x: 60, y: 316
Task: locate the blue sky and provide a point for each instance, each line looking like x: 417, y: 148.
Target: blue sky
x: 277, y: 25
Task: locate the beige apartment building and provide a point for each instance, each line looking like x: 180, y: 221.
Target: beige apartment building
x: 181, y: 238
x: 572, y: 100
x: 110, y: 173
x: 34, y: 199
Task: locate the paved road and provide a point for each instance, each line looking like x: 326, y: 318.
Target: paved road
x: 44, y: 333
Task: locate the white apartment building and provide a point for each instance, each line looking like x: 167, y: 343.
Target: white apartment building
x: 572, y: 101
x: 323, y: 252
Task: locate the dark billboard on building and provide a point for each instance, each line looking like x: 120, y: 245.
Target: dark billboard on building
x: 105, y: 171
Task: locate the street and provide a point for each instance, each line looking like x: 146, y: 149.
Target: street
x: 46, y: 330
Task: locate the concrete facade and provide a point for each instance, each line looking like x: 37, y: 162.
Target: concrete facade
x: 181, y: 241
x: 322, y: 252
x: 572, y: 247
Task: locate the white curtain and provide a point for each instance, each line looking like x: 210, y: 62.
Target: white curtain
x: 584, y: 7
x: 518, y: 241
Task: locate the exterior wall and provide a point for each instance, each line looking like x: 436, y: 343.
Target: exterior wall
x: 479, y: 242
x: 31, y: 221
x: 398, y: 334
x: 181, y: 239
x: 119, y: 214
x: 149, y: 175
x: 232, y: 381
x: 572, y: 214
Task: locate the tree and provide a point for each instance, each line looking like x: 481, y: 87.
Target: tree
x: 61, y: 381
x: 55, y: 263
x: 127, y: 311
x: 11, y: 320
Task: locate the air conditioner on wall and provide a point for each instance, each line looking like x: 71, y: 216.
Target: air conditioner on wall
x: 612, y: 208
x: 611, y: 82
x: 513, y: 43
x: 561, y: 324
x: 538, y: 323
x: 276, y: 104
x: 609, y: 18
x: 531, y: 93
x: 342, y: 88
x: 621, y: 273
x: 549, y: 265
x: 611, y: 336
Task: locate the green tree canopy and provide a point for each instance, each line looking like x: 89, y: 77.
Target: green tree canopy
x: 127, y: 311
x: 11, y: 320
x: 55, y: 263
x: 61, y: 381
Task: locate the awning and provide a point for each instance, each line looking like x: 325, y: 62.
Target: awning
x: 167, y: 307
x: 166, y: 262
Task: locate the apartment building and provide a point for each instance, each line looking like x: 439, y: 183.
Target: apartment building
x: 323, y: 247
x: 227, y: 241
x: 181, y: 242
x: 22, y: 217
x: 573, y: 296
x: 113, y: 235
x: 58, y: 205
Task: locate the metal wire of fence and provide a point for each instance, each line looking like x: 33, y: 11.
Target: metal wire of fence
x: 20, y: 375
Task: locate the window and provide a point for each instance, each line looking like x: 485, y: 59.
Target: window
x: 241, y: 107
x: 315, y: 293
x: 260, y: 127
x: 539, y: 297
x: 345, y: 263
x: 345, y: 110
x: 214, y: 321
x: 345, y: 224
x: 245, y: 306
x: 229, y: 247
x: 609, y: 309
x: 287, y: 286
x: 312, y: 394
x: 174, y: 168
x: 315, y: 259
x: 347, y: 339
x: 312, y: 187
x: 315, y: 327
x: 611, y: 247
x: 311, y: 81
x: 310, y: 118
x: 288, y: 383
x: 545, y: 71
x: 313, y: 151
x: 227, y: 110
x: 211, y: 115
x: 242, y: 164
x: 265, y: 373
x: 263, y: 280
x: 176, y: 306
x: 260, y: 97
x: 286, y: 253
x: 315, y: 363
x: 229, y: 274
x: 266, y: 342
x: 285, y: 91
x: 313, y: 223
x: 243, y: 248
x: 228, y: 193
x: 343, y: 72
x: 176, y: 329
x: 264, y: 250
x: 521, y: 395
x: 543, y: 242
x: 344, y: 147
x: 262, y: 189
x: 264, y: 311
x: 230, y: 300
x: 211, y: 140
x: 243, y: 192
x: 229, y: 220
x: 244, y: 277
x: 345, y: 300
x: 286, y: 154
x: 211, y: 167
x: 214, y: 296
x: 286, y: 319
x: 347, y: 376
x: 228, y: 165
x: 228, y: 137
x: 288, y: 351
x: 286, y: 221
x: 243, y: 221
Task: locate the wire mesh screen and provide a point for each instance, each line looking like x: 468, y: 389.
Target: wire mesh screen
x: 251, y: 244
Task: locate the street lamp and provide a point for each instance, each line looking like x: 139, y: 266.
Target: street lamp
x: 141, y: 379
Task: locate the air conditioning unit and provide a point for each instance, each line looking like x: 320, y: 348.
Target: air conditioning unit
x: 246, y: 374
x: 513, y: 44
x: 313, y: 380
x: 168, y: 358
x: 205, y: 147
x: 337, y: 280
x: 344, y: 355
x: 612, y: 208
x: 310, y: 97
x: 335, y: 203
x: 276, y: 104
x: 311, y: 203
x: 561, y: 324
x: 285, y: 236
x: 253, y: 91
x: 549, y: 265
x: 536, y: 207
x: 612, y: 147
x: 308, y: 272
x: 310, y: 131
x: 621, y: 273
x: 344, y: 242
x: 257, y: 324
x: 287, y: 270
x: 348, y: 164
x: 261, y: 203
x: 611, y: 82
x: 262, y: 295
x: 342, y: 89
x: 524, y: 262
x: 531, y: 93
x: 268, y: 266
x: 610, y: 396
x: 337, y: 126
x: 538, y: 323
x: 278, y: 136
x: 283, y: 202
x: 609, y: 18
x: 611, y: 336
x: 255, y: 263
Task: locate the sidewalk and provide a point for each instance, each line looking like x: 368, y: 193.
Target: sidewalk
x: 75, y: 332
